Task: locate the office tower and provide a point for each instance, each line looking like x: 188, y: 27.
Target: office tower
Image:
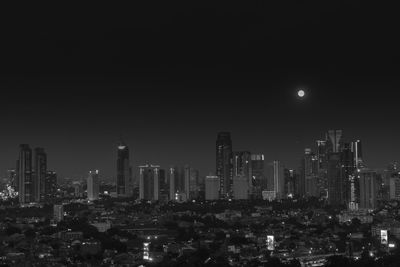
x: 164, y: 186
x: 224, y: 166
x: 395, y: 188
x: 349, y: 179
x: 171, y: 180
x: 149, y: 182
x: 258, y: 177
x: 290, y: 182
x: 334, y: 141
x: 58, y: 211
x: 124, y: 179
x: 310, y: 174
x: 186, y: 180
x: 322, y: 156
x: 93, y: 185
x: 368, y: 189
x: 50, y: 185
x: 40, y: 174
x: 24, y: 173
x: 242, y: 165
x: 335, y: 182
x: 212, y: 184
x: 240, y: 187
x: 276, y: 179
x: 357, y: 153
x: 194, y: 184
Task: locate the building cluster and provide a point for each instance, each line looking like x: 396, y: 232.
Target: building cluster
x: 31, y: 178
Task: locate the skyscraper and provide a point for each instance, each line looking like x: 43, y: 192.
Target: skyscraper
x: 124, y: 179
x: 50, y: 185
x: 310, y: 173
x: 240, y: 187
x: 357, y: 152
x: 93, y: 185
x: 350, y: 185
x: 258, y: 177
x: 24, y: 174
x: 276, y: 179
x: 335, y: 181
x: 171, y: 182
x: 224, y: 168
x: 242, y: 165
x: 212, y: 189
x: 40, y: 174
x: 368, y: 189
x: 149, y: 182
x: 334, y: 141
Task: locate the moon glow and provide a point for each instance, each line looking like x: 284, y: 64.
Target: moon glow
x: 301, y: 93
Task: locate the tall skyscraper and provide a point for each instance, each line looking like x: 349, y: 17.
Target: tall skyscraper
x: 322, y: 155
x: 394, y: 188
x: 258, y: 177
x: 357, y: 152
x: 242, y: 165
x: 93, y: 185
x: 212, y: 189
x: 40, y: 174
x: 334, y: 141
x: 149, y: 182
x: 368, y: 189
x: 350, y: 184
x: 310, y: 173
x: 335, y: 181
x: 240, y: 187
x: 276, y: 179
x: 171, y: 180
x: 50, y: 185
x: 163, y: 186
x: 12, y: 178
x: 124, y: 179
x: 224, y: 168
x: 24, y: 173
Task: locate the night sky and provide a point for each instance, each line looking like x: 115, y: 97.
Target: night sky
x: 169, y: 77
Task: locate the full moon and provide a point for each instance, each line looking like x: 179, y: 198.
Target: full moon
x: 301, y: 93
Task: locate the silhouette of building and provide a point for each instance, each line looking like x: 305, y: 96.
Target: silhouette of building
x: 212, y: 184
x: 334, y: 141
x: 258, y: 177
x: 40, y: 174
x: 224, y: 168
x: 50, y: 185
x: 335, y: 181
x: 368, y: 189
x: 242, y: 166
x: 310, y: 174
x: 93, y: 185
x: 276, y: 179
x: 240, y: 187
x: 124, y: 177
x: 149, y: 182
x: 24, y: 173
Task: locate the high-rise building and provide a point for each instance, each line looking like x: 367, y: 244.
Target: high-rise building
x: 163, y: 185
x: 276, y: 179
x: 334, y: 141
x: 24, y: 173
x: 212, y: 184
x: 149, y: 182
x: 40, y: 174
x: 335, y: 181
x: 368, y: 189
x: 242, y: 165
x: 58, y: 213
x: 93, y: 185
x: 124, y: 179
x: 240, y: 187
x: 350, y: 185
x: 357, y: 153
x: 258, y: 177
x: 194, y: 184
x: 322, y: 156
x: 224, y: 167
x: 12, y: 178
x: 50, y: 185
x: 310, y: 174
x: 171, y: 180
x: 395, y: 188
x: 78, y: 190
x: 290, y: 182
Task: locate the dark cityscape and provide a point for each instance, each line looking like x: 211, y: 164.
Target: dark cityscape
x: 200, y: 135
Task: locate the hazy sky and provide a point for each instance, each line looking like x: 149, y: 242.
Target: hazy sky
x: 168, y: 78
